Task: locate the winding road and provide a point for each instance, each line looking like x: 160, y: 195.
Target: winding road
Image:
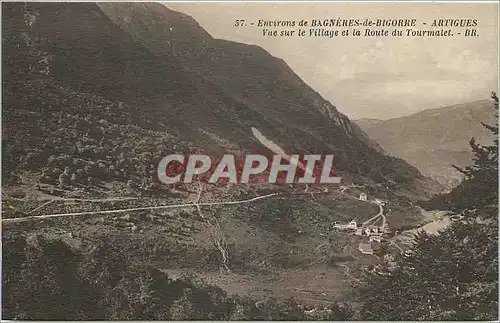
x: 380, y: 213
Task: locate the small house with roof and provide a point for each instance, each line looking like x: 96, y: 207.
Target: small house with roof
x: 366, y: 248
x: 375, y: 237
x: 352, y: 225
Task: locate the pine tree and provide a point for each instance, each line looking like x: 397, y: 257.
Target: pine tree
x: 452, y: 275
x: 485, y: 157
x: 480, y: 185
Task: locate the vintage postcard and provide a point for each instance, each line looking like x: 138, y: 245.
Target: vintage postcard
x: 255, y: 161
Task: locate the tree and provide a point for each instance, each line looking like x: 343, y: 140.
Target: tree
x: 40, y: 281
x: 485, y: 157
x: 453, y: 275
x: 480, y: 186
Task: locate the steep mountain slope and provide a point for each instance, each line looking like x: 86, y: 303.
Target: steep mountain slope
x: 81, y: 49
x: 434, y: 139
x: 209, y: 92
x: 250, y: 75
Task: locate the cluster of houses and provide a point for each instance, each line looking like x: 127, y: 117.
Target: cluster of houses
x: 369, y: 231
x: 374, y: 233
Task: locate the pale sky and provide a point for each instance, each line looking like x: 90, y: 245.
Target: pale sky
x: 382, y: 77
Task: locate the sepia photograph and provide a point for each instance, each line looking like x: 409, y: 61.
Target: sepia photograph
x: 249, y: 161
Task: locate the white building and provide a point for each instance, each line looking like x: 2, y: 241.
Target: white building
x: 352, y: 225
x: 363, y: 197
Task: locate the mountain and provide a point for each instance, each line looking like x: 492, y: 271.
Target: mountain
x: 185, y: 83
x: 94, y: 95
x: 246, y: 73
x: 434, y: 139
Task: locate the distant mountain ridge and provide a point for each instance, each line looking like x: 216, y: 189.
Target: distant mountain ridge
x: 434, y: 139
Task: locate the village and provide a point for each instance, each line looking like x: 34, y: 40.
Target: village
x: 374, y: 234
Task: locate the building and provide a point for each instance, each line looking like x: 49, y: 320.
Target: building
x: 375, y: 237
x: 363, y: 197
x: 352, y: 225
x: 366, y: 248
x: 359, y: 232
